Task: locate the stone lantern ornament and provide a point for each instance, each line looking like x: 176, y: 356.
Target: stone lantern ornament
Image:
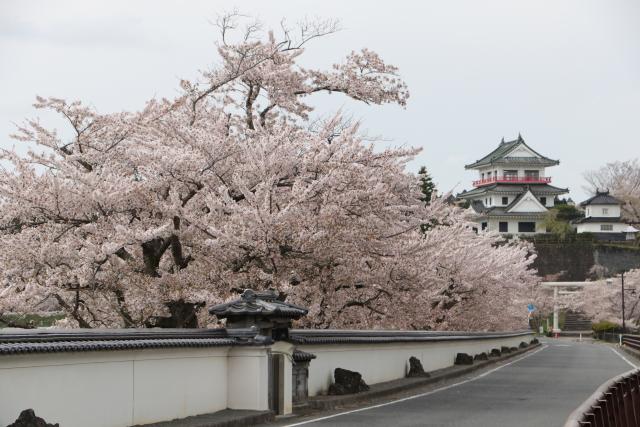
x: 262, y: 311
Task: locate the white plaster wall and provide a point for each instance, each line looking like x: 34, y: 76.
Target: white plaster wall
x: 522, y: 152
x: 386, y: 362
x: 613, y: 211
x: 248, y: 378
x: 116, y: 388
x: 497, y: 200
x: 494, y: 225
x: 594, y: 227
x: 485, y: 170
x: 500, y: 169
x: 177, y: 387
x: 526, y: 205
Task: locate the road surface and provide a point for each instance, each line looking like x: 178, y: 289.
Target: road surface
x: 540, y: 389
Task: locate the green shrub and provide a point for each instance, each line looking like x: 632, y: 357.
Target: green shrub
x: 606, y: 326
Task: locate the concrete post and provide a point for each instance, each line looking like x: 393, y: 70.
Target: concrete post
x: 556, y: 328
x: 285, y: 382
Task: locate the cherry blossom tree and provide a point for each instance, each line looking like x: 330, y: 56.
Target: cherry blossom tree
x: 141, y: 218
x: 602, y: 299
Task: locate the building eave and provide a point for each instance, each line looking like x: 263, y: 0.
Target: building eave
x: 511, y: 215
x: 597, y: 220
x: 536, y: 189
x: 520, y: 161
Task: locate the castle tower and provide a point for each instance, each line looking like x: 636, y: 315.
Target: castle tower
x: 513, y: 192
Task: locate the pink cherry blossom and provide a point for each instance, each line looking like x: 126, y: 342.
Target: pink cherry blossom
x: 229, y: 186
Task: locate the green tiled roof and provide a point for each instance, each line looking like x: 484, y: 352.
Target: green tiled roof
x: 536, y: 189
x: 602, y: 198
x: 500, y: 156
x: 502, y: 212
x: 595, y: 219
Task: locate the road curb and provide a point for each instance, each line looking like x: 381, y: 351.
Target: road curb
x: 224, y: 418
x: 405, y: 384
x: 630, y: 351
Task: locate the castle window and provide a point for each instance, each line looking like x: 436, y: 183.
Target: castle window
x: 543, y: 200
x: 605, y: 211
x: 532, y: 175
x: 510, y: 174
x: 505, y: 200
x: 484, y: 225
x: 526, y: 227
x: 503, y: 227
x: 606, y: 227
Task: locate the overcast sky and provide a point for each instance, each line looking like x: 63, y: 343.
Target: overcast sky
x: 565, y: 74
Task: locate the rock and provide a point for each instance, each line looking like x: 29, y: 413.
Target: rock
x: 523, y: 345
x: 481, y: 356
x: 28, y: 418
x: 505, y: 350
x: 495, y: 352
x: 535, y: 341
x: 513, y: 349
x: 347, y: 382
x: 415, y: 368
x: 463, y: 359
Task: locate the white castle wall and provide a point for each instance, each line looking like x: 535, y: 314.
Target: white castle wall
x: 123, y: 388
x: 386, y: 362
x: 119, y: 388
x: 608, y: 211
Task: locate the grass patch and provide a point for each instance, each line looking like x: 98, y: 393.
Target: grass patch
x: 29, y: 320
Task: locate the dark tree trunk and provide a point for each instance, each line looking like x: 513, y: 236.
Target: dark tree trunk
x: 183, y: 315
x: 152, y: 252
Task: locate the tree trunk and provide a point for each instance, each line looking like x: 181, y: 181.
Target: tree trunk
x: 182, y: 315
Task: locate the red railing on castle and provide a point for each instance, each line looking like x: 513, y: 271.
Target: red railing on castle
x: 512, y: 180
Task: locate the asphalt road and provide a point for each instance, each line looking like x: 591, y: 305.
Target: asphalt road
x: 539, y: 390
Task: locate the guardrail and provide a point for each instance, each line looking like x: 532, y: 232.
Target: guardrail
x: 632, y: 341
x: 615, y: 403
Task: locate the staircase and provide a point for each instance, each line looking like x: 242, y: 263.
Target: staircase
x: 576, y: 323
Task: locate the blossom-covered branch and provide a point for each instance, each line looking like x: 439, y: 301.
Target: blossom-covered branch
x: 140, y: 218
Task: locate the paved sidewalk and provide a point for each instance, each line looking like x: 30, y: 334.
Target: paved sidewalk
x: 225, y: 418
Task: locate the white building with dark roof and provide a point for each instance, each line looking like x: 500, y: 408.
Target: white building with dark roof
x: 513, y: 192
x: 602, y: 217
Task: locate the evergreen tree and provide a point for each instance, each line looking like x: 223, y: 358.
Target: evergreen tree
x: 426, y: 185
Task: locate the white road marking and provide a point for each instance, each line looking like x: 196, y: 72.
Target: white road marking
x: 418, y: 395
x: 623, y: 358
x: 561, y: 345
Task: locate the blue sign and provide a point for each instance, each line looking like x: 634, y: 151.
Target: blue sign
x: 531, y: 308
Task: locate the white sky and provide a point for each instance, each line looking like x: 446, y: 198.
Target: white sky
x: 566, y: 74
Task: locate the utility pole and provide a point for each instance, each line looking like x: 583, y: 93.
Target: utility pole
x: 556, y: 326
x: 624, y: 326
